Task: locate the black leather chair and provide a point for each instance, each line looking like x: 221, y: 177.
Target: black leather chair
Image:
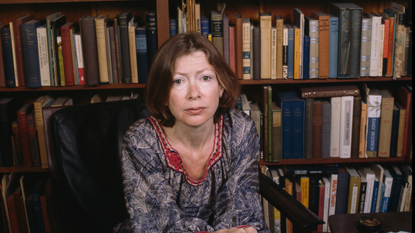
x: 87, y: 191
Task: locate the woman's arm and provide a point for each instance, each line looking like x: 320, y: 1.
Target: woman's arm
x: 238, y: 202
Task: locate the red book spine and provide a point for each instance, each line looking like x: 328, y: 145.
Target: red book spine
x: 67, y: 54
x: 320, y: 206
x: 43, y: 204
x: 232, y: 52
x: 14, y: 223
x: 18, y: 47
x: 24, y: 137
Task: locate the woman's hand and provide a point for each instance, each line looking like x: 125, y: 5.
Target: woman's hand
x: 238, y: 230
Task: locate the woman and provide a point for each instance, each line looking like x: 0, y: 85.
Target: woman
x: 192, y: 165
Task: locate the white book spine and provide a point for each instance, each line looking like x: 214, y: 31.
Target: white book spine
x: 346, y: 118
x: 327, y: 190
x: 273, y: 53
x: 375, y: 46
x: 382, y: 42
x: 335, y: 126
x: 42, y: 40
x: 79, y: 57
x: 246, y: 48
x: 370, y: 178
x: 285, y: 49
x: 353, y: 207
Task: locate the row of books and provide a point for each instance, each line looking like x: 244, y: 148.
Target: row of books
x: 24, y: 131
x: 333, y: 122
x: 343, y: 43
x: 348, y: 189
x: 23, y: 206
x: 94, y: 50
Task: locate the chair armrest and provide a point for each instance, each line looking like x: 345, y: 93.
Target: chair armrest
x: 287, y: 204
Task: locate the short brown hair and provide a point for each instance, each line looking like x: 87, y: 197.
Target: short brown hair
x: 160, y: 78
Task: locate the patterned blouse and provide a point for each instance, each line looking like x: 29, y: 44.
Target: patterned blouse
x: 161, y: 196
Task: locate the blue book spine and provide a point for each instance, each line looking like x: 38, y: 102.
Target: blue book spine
x: 6, y: 44
x: 306, y: 57
x: 151, y: 30
x: 394, y: 133
x: 375, y: 196
x: 373, y: 133
x: 30, y: 52
x: 38, y: 211
x: 290, y: 52
x: 382, y: 193
x: 286, y: 120
x: 238, y: 105
x: 396, y: 189
x: 204, y: 25
x: 225, y: 22
x: 333, y: 47
x: 142, y: 56
x: 298, y: 122
x: 173, y: 27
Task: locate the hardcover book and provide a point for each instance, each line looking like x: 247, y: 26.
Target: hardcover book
x: 101, y: 23
x: 329, y: 91
x: 401, y: 130
x: 67, y: 37
x: 51, y: 46
x: 89, y: 46
x: 239, y: 46
x: 308, y: 133
x: 24, y: 134
x: 142, y: 59
x: 334, y: 41
x: 404, y: 96
x: 335, y: 127
x: 374, y: 102
x: 290, y: 55
x: 357, y: 111
x: 385, y: 127
x: 38, y: 104
x: 312, y: 30
x: 346, y: 122
x: 133, y: 50
x: 7, y: 55
x: 324, y: 43
x: 2, y: 77
x: 317, y: 128
x: 388, y: 181
x: 354, y: 190
x: 298, y: 16
x: 285, y: 52
x: 56, y: 24
x: 43, y: 47
x: 342, y: 191
x: 123, y: 20
x: 152, y: 38
x: 217, y: 30
x: 365, y: 46
x: 326, y: 130
x: 225, y: 22
x: 265, y: 20
x: 306, y: 57
x: 279, y: 22
x: 276, y: 132
x: 246, y: 48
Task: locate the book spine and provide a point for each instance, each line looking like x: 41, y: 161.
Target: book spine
x: 313, y: 72
x: 324, y: 40
x: 382, y: 42
x: 335, y: 127
x: 333, y: 194
x: 100, y: 31
x: 276, y: 135
x: 306, y: 57
x: 37, y: 206
x: 151, y: 29
x: 80, y: 59
x: 61, y: 66
x: 239, y: 46
x: 265, y: 27
x: 286, y: 122
x: 19, y: 48
x: 365, y: 46
x: 33, y: 138
x: 279, y: 59
x: 90, y: 52
x: 246, y: 49
x: 2, y: 76
x: 296, y: 53
x: 24, y: 136
x: 401, y: 132
x: 373, y: 121
x: 375, y: 196
x: 43, y: 56
x: 342, y: 191
x: 362, y: 130
x: 355, y: 37
x: 125, y: 51
x: 18, y: 160
x: 386, y: 196
x: 142, y: 58
x: 290, y: 53
x: 298, y: 119
x: 355, y: 134
x: 232, y: 48
x: 362, y: 198
x: 375, y: 46
x: 325, y: 130
x: 308, y: 146
x: 112, y: 48
x: 225, y: 21
x: 217, y: 31
x: 285, y: 53
x: 343, y: 63
x: 346, y: 121
x: 321, y: 193
x: 14, y: 223
x: 391, y: 45
x: 204, y: 25
x: 257, y: 53
x: 385, y: 127
x: 6, y: 44
x: 266, y: 123
x: 133, y: 53
x: 67, y: 55
x: 273, y: 60
x: 399, y: 47
x: 317, y: 128
x: 334, y: 41
x: 30, y: 55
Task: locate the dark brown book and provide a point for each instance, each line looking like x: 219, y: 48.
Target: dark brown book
x: 329, y: 91
x: 404, y: 97
x: 323, y: 41
x: 34, y: 145
x: 123, y: 20
x: 357, y: 111
x: 113, y: 54
x: 89, y: 46
x: 117, y: 48
x: 238, y: 47
x: 18, y: 46
x: 326, y: 130
x: 67, y: 52
x: 317, y: 124
x: 265, y: 111
x: 2, y: 75
x: 17, y: 145
x: 308, y: 151
x: 24, y: 134
x: 20, y: 210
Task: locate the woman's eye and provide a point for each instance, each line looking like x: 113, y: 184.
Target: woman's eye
x: 205, y: 78
x: 177, y: 81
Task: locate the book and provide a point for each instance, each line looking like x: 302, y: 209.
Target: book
x: 326, y: 130
x: 142, y: 59
x: 404, y: 97
x: 101, y: 23
x: 324, y: 40
x: 24, y: 135
x: 90, y: 51
x: 334, y: 41
x: 225, y: 23
x: 38, y: 104
x: 17, y: 22
x: 279, y: 23
x: 285, y: 52
x: 61, y: 75
x: 16, y: 144
x: 365, y: 46
x: 290, y: 55
x: 388, y: 181
x: 30, y: 52
x: 292, y: 122
x: 357, y: 105
x: 350, y: 26
x: 379, y: 174
x: 2, y: 77
x: 112, y: 53
x: 317, y: 128
x: 308, y: 130
x: 335, y: 127
x: 9, y: 200
x: 239, y: 46
x: 342, y: 191
x: 79, y: 59
x: 362, y: 198
x: 329, y: 91
x: 152, y: 37
x: 56, y: 24
x: 374, y: 101
x: 407, y: 172
x: 276, y: 132
x: 217, y: 29
x: 396, y: 188
x: 306, y: 57
x: 67, y: 37
x: 385, y: 126
x: 333, y: 195
x: 7, y: 55
x: 43, y: 47
x: 265, y: 21
x: 327, y: 189
x: 123, y: 20
x: 354, y: 190
x: 266, y: 115
x: 204, y: 25
x: 375, y: 44
x: 51, y: 45
x: 232, y: 48
x: 33, y: 139
x: 16, y: 79
x: 401, y: 130
x: 312, y: 30
x: 298, y: 17
x: 117, y: 46
x: 273, y: 59
x: 346, y: 126
x: 370, y: 189
x: 246, y: 49
x: 362, y: 129
x: 296, y: 63
x: 133, y: 50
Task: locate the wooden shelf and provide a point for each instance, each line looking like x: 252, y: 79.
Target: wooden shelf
x: 22, y: 169
x: 58, y: 1
x: 336, y: 160
x: 333, y: 80
x: 75, y: 88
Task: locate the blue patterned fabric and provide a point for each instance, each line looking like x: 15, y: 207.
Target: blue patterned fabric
x: 160, y: 199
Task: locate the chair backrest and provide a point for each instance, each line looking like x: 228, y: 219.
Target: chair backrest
x: 87, y: 190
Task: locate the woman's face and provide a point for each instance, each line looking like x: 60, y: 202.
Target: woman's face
x: 194, y: 96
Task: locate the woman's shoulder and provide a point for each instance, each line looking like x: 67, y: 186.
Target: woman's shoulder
x: 237, y: 118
